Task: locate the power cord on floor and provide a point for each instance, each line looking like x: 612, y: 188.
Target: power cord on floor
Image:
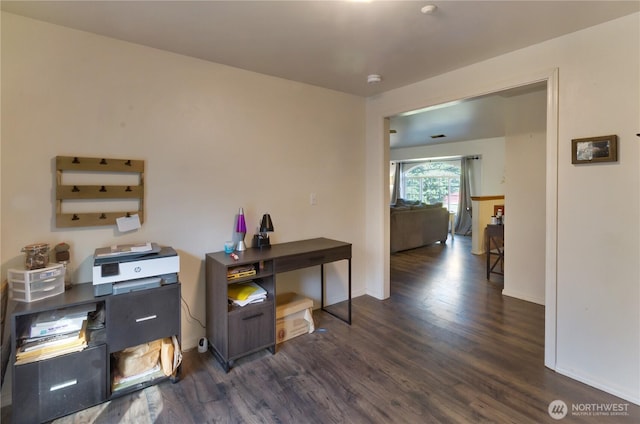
x: 189, y: 312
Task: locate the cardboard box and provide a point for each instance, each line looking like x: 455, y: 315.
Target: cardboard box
x: 294, y: 316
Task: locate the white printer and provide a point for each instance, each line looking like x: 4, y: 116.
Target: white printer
x: 130, y: 267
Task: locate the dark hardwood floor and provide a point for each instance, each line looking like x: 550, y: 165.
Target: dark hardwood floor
x: 446, y: 347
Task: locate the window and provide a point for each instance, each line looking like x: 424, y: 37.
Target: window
x: 436, y: 181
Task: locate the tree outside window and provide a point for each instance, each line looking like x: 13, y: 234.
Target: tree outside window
x: 434, y: 182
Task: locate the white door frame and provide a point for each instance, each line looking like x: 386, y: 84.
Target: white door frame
x: 551, y: 212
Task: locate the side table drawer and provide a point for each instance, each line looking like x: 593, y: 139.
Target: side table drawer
x: 251, y: 328
x: 304, y: 260
x: 59, y: 386
x: 143, y: 316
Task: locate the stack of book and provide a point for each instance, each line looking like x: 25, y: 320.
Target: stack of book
x: 240, y: 271
x: 242, y: 294
x: 54, y: 333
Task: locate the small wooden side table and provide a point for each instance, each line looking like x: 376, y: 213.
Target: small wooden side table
x: 494, y: 246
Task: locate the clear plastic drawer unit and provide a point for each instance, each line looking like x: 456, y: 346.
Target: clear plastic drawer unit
x: 32, y: 285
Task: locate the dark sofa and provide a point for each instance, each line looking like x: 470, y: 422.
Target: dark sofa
x: 415, y: 224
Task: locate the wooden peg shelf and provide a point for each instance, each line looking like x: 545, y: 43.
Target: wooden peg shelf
x: 97, y: 192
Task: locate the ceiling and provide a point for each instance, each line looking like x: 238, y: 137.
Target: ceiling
x: 469, y: 119
x: 331, y: 44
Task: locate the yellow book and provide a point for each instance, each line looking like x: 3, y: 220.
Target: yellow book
x: 244, y: 290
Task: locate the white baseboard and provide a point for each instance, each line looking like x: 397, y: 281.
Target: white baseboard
x: 331, y: 300
x: 523, y: 296
x: 619, y: 392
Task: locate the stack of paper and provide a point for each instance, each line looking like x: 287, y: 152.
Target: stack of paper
x: 39, y: 348
x: 121, y: 383
x: 60, y: 321
x: 54, y: 333
x: 242, y: 294
x: 126, y: 250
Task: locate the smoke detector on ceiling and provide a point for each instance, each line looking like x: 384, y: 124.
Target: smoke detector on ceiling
x: 428, y: 9
x: 374, y: 79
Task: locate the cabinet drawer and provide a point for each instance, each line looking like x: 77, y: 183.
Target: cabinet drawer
x: 304, y: 260
x: 251, y: 328
x: 59, y: 386
x: 143, y: 316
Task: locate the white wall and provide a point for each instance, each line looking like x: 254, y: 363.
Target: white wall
x: 488, y: 170
x: 213, y: 138
x: 596, y: 293
x: 525, y: 126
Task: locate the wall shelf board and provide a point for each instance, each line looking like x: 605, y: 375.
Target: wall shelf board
x: 97, y: 192
x: 75, y: 163
x: 68, y: 192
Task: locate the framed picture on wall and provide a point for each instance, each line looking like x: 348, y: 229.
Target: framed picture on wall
x: 594, y: 149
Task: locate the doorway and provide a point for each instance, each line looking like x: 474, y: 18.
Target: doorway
x: 506, y: 131
x: 378, y: 131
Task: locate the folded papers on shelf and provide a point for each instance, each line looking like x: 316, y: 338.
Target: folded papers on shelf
x: 53, y: 333
x: 242, y: 294
x: 60, y: 321
x: 52, y: 346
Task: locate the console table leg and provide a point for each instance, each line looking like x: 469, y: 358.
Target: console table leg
x: 348, y: 319
x: 349, y: 322
x: 322, y: 286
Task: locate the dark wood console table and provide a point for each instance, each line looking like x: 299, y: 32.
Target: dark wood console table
x: 233, y: 331
x: 494, y: 245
